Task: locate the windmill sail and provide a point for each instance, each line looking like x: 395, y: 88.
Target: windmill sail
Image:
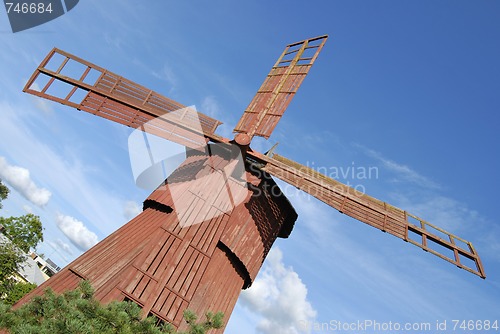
x: 268, y: 105
x: 72, y: 81
x: 375, y: 213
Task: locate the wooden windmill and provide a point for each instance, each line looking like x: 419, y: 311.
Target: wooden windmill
x: 165, y: 266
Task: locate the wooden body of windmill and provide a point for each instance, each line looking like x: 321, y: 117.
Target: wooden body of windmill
x: 199, y: 259
x: 166, y: 268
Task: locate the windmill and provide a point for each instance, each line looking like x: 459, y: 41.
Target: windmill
x: 205, y: 232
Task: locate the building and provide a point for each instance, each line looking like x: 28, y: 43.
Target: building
x: 35, y: 269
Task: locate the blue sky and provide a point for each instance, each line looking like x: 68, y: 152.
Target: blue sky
x: 408, y: 88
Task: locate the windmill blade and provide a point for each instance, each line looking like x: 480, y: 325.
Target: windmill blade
x: 268, y: 105
x: 374, y: 212
x: 72, y: 81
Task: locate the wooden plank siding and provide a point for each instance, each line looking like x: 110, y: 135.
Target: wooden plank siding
x: 166, y: 268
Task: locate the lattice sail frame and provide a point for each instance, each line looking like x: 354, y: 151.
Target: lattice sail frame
x: 374, y: 212
x: 72, y: 81
x: 273, y: 97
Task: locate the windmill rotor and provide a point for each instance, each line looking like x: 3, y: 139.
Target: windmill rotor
x: 108, y: 95
x: 206, y: 229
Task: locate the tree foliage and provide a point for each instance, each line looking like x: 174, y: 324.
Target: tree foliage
x: 11, y: 260
x: 212, y: 321
x: 25, y: 232
x: 4, y: 192
x: 17, y: 292
x: 77, y: 311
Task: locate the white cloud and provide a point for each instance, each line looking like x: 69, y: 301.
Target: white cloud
x: 167, y: 74
x: 279, y: 296
x: 27, y: 208
x: 42, y: 104
x: 403, y: 171
x: 363, y: 263
x: 113, y: 41
x: 64, y: 246
x: 63, y: 169
x: 58, y: 244
x: 76, y: 232
x: 19, y: 178
x: 131, y: 209
x: 455, y: 217
x: 439, y: 210
x: 210, y: 107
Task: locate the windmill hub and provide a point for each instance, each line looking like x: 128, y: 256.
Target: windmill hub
x: 242, y: 139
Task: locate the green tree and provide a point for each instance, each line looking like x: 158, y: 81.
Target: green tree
x: 25, y: 232
x: 11, y: 260
x: 212, y: 321
x: 17, y: 292
x: 4, y: 192
x: 77, y: 311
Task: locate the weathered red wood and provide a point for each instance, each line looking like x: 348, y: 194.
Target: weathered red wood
x: 166, y: 268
